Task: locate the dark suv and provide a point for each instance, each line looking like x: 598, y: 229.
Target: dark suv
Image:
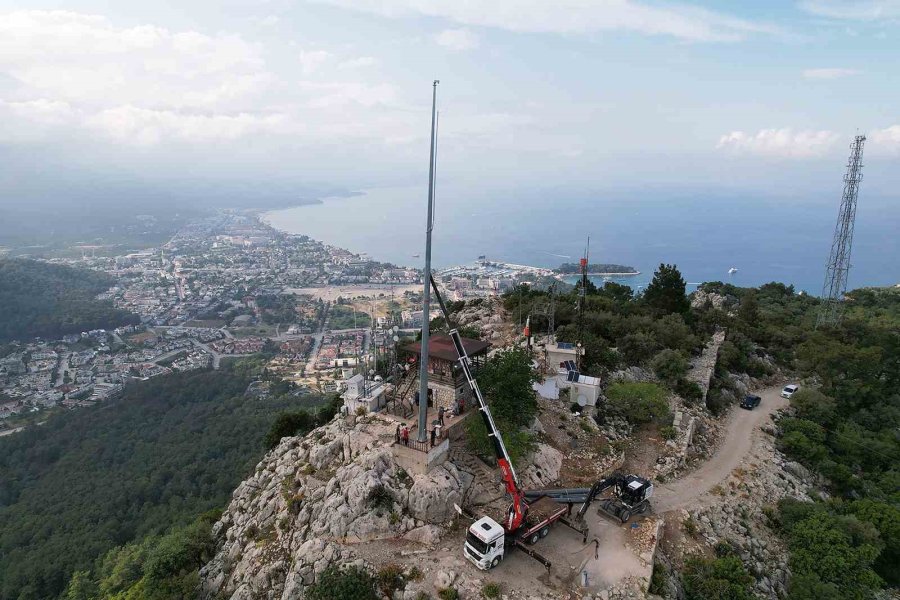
x: 751, y: 402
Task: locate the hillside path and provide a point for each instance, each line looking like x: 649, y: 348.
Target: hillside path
x: 743, y: 425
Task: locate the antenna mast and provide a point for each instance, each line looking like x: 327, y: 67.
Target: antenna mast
x: 838, y: 267
x: 581, y: 301
x: 426, y: 296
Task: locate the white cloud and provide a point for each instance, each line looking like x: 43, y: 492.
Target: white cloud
x: 67, y: 74
x: 886, y: 140
x: 457, y: 39
x: 855, y: 10
x: 358, y: 63
x: 311, y: 60
x: 785, y: 143
x: 266, y: 21
x: 681, y: 21
x: 829, y: 73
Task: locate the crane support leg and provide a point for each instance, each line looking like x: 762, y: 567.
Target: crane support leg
x: 532, y: 554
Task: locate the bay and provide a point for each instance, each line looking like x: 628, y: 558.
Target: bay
x: 704, y: 232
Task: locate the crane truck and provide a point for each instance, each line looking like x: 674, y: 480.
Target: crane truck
x: 531, y: 514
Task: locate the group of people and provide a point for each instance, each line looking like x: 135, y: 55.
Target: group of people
x: 401, y: 434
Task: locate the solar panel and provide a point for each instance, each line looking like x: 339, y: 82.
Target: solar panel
x: 565, y: 345
x: 572, y: 376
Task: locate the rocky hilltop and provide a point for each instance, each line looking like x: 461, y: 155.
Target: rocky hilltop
x: 331, y: 497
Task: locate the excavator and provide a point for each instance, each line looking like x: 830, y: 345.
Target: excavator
x: 531, y: 513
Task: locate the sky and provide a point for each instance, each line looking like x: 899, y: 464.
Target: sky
x: 636, y: 94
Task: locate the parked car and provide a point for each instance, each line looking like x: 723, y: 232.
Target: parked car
x: 750, y: 402
x: 789, y: 390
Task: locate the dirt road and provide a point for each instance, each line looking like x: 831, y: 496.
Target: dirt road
x: 743, y: 425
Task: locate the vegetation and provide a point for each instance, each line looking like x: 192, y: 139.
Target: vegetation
x: 89, y: 481
x: 162, y: 567
x: 506, y: 381
x: 572, y: 268
x: 723, y: 578
x: 343, y: 583
x: 638, y: 402
x: 844, y: 430
x: 300, y: 422
x: 346, y: 317
x: 50, y: 301
x: 665, y: 293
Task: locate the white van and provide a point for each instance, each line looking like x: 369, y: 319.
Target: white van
x: 789, y: 390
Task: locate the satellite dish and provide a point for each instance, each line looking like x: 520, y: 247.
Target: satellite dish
x: 582, y: 400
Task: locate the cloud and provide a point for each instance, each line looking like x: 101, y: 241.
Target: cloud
x: 886, y: 140
x: 457, y: 39
x: 681, y: 21
x: 867, y: 10
x: 79, y: 58
x: 358, y: 63
x: 831, y: 73
x: 311, y: 60
x: 784, y: 143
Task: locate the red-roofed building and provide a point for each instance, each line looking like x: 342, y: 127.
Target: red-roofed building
x: 446, y: 383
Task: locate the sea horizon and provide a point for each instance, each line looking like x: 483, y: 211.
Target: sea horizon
x: 759, y: 237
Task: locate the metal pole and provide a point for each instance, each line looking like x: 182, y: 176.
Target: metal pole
x: 426, y: 293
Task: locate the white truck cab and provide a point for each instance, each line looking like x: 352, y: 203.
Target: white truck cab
x: 485, y: 543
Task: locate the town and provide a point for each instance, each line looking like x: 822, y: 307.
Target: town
x: 229, y: 286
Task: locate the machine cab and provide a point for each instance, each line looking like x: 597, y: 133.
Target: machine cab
x: 485, y: 543
x: 635, y: 490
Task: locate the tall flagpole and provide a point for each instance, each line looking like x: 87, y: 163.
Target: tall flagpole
x: 426, y: 296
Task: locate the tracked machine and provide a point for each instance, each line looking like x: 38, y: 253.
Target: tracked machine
x: 531, y: 514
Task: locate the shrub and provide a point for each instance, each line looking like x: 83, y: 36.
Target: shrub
x: 668, y: 432
x: 716, y: 579
x: 390, y: 579
x: 688, y: 390
x: 491, y: 590
x: 448, y: 594
x: 658, y: 580
x: 670, y: 365
x: 638, y: 402
x: 349, y: 583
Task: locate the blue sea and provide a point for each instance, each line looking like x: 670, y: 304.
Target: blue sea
x: 704, y: 233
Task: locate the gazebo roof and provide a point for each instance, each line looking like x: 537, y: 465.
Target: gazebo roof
x: 440, y: 346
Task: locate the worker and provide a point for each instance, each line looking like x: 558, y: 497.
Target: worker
x: 433, y: 434
x: 397, y: 434
x: 405, y: 435
x: 441, y: 415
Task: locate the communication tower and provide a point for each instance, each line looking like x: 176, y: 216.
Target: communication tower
x: 838, y: 267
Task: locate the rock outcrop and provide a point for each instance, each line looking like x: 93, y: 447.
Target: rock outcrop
x: 315, y: 501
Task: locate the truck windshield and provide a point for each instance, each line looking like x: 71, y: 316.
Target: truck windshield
x: 477, y: 544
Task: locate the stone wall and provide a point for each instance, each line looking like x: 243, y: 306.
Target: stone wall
x: 417, y: 462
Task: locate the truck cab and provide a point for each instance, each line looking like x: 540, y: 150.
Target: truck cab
x: 485, y: 542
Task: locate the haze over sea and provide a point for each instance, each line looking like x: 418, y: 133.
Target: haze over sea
x: 766, y: 239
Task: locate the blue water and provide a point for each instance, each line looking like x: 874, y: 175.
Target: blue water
x: 766, y: 239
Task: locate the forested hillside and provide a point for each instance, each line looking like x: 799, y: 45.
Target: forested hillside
x: 49, y: 301
x: 88, y: 481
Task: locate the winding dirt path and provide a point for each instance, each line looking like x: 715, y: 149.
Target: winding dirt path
x: 742, y: 426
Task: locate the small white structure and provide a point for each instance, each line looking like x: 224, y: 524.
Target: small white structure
x: 560, y: 352
x: 363, y: 394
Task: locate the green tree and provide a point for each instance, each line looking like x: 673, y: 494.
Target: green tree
x: 637, y: 402
x: 716, y: 579
x: 637, y: 347
x: 81, y: 587
x: 347, y: 583
x: 665, y: 293
x: 506, y: 381
x: 748, y: 311
x: 670, y: 365
x: 824, y: 546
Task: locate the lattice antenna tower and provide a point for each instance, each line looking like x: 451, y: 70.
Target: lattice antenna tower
x: 838, y: 267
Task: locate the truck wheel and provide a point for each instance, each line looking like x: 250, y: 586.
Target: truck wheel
x: 495, y: 562
x: 544, y: 531
x: 643, y: 508
x: 626, y: 514
x: 534, y: 538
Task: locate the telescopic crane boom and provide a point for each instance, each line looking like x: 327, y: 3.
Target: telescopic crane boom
x: 519, y: 508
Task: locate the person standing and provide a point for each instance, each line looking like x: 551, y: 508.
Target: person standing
x: 397, y: 434
x: 433, y: 435
x: 441, y: 415
x: 405, y: 436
